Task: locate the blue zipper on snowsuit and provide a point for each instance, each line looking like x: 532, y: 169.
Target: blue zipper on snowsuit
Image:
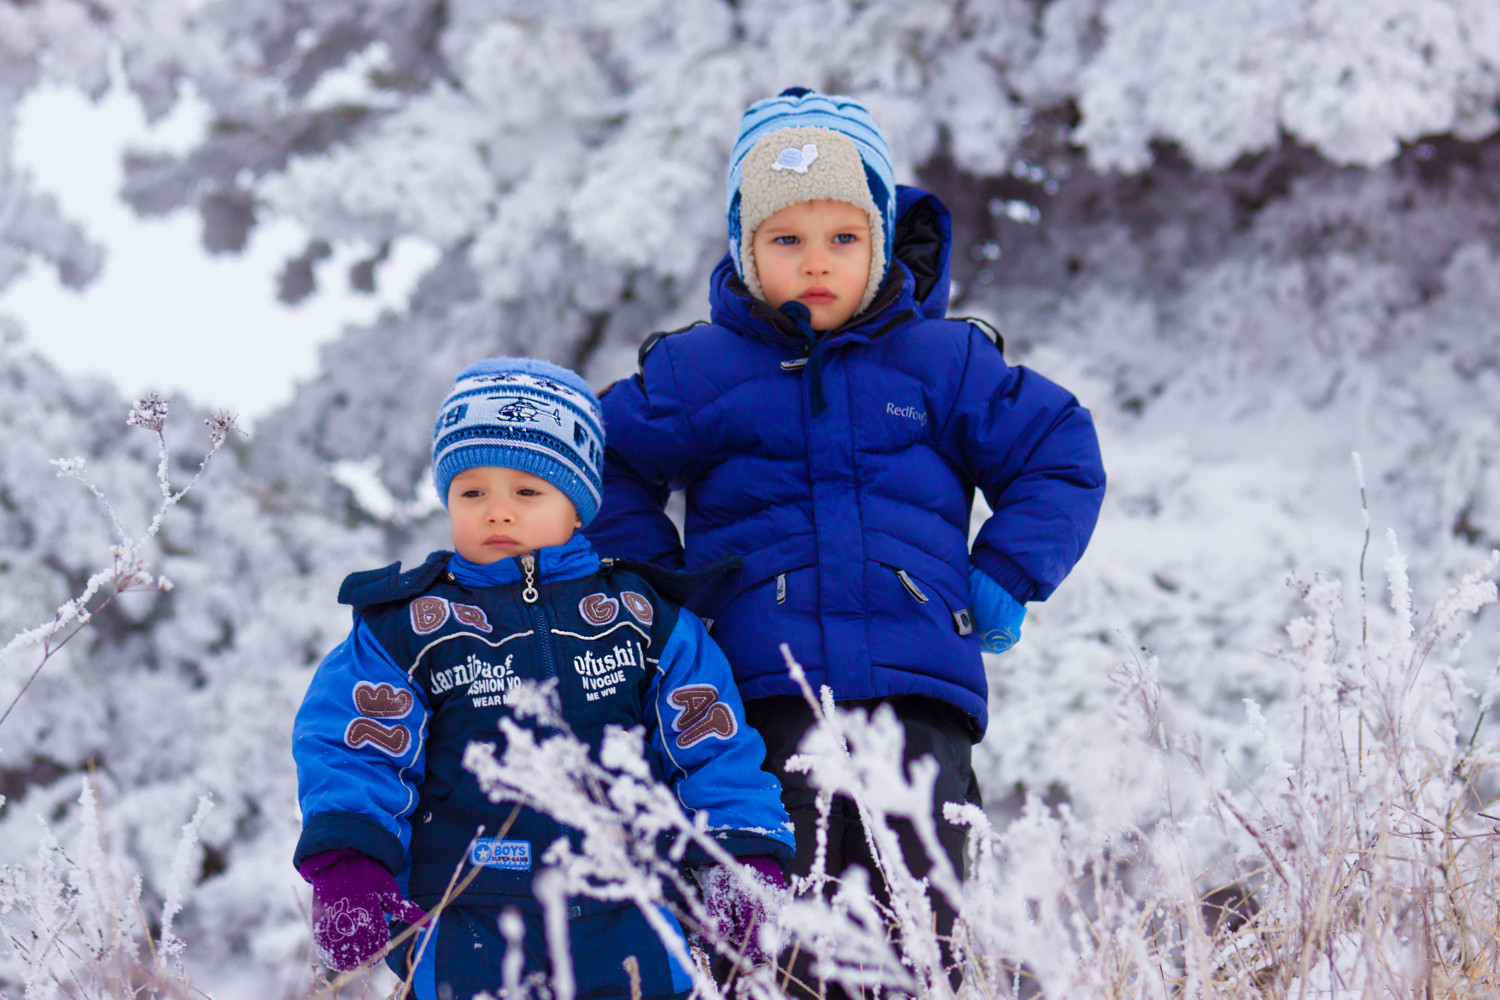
x: 538, y: 616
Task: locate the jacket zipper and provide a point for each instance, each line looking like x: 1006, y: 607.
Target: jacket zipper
x: 911, y: 586
x: 538, y: 616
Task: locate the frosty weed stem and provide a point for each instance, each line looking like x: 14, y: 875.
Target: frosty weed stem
x: 128, y: 570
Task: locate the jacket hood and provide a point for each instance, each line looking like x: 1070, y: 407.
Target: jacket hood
x: 917, y: 283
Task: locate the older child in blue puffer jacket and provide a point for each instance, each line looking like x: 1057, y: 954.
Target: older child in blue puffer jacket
x: 829, y: 427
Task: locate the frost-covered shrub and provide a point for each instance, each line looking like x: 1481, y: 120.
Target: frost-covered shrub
x: 1354, y: 861
x: 71, y: 924
x: 74, y: 926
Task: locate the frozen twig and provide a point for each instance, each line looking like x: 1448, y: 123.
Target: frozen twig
x: 128, y: 570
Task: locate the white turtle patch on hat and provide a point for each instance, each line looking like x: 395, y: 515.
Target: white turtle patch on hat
x: 792, y: 158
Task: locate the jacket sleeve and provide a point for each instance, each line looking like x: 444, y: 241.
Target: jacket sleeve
x: 695, y: 726
x: 1031, y: 448
x: 359, y: 744
x: 650, y: 453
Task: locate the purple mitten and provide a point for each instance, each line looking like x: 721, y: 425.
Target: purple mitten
x: 351, y: 893
x: 735, y: 913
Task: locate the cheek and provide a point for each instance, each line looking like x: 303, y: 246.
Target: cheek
x: 775, y: 270
x: 856, y: 270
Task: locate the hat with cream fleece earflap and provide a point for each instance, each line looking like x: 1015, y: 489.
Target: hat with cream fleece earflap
x: 804, y: 146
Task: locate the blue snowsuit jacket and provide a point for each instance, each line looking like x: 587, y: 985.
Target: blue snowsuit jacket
x: 380, y: 737
x: 852, y: 520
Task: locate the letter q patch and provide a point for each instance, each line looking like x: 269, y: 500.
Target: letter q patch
x: 702, y: 715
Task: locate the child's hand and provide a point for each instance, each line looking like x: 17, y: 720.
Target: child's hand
x: 352, y: 892
x: 997, y: 614
x: 737, y: 915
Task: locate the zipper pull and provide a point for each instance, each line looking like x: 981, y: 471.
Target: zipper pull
x: 528, y: 563
x: 911, y: 586
x: 781, y: 589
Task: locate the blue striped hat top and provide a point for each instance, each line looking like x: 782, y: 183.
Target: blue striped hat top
x: 527, y: 414
x: 796, y: 107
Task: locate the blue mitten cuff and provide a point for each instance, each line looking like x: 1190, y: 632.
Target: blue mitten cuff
x: 997, y: 614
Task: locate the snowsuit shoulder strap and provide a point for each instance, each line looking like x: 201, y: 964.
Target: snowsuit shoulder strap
x: 675, y: 587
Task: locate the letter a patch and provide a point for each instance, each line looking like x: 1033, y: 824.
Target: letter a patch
x: 702, y: 715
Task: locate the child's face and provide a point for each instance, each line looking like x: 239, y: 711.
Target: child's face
x: 817, y: 253
x: 497, y: 513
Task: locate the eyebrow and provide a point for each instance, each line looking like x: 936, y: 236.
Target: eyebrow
x: 853, y: 227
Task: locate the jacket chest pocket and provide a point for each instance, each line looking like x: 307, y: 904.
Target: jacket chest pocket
x: 893, y: 413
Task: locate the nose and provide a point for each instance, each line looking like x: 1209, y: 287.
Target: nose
x: 815, y: 262
x: 499, y: 511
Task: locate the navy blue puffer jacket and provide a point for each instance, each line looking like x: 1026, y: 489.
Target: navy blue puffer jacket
x: 852, y: 521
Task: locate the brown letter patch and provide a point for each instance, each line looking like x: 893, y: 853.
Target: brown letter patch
x: 637, y: 605
x: 471, y: 616
x: 381, y: 701
x: 387, y: 739
x: 598, y: 609
x: 703, y: 715
x: 428, y: 614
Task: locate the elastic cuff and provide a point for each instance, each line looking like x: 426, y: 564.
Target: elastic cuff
x: 740, y: 844
x: 1004, y: 571
x: 331, y: 830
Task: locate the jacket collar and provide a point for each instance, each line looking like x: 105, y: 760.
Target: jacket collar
x: 572, y: 560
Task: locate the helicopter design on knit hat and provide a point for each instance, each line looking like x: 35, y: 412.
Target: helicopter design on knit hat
x: 802, y: 146
x: 527, y: 414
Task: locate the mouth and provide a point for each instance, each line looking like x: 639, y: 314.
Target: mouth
x: 500, y: 541
x: 817, y: 295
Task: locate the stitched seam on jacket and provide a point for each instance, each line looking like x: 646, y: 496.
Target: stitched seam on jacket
x: 459, y: 635
x: 968, y: 361
x: 687, y: 417
x: 859, y: 503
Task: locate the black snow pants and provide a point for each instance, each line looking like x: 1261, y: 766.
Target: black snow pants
x: 933, y: 728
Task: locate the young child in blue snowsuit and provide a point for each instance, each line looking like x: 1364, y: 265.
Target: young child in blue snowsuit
x: 829, y: 427
x: 388, y: 809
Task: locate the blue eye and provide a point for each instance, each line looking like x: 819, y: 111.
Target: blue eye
x: 845, y: 238
x: 786, y: 241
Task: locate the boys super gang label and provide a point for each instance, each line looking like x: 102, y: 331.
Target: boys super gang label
x: 512, y: 855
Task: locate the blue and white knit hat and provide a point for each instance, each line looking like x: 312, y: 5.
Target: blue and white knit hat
x: 801, y: 146
x: 521, y: 413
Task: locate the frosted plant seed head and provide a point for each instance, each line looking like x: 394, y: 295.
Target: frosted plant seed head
x: 220, y: 425
x: 150, y: 412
